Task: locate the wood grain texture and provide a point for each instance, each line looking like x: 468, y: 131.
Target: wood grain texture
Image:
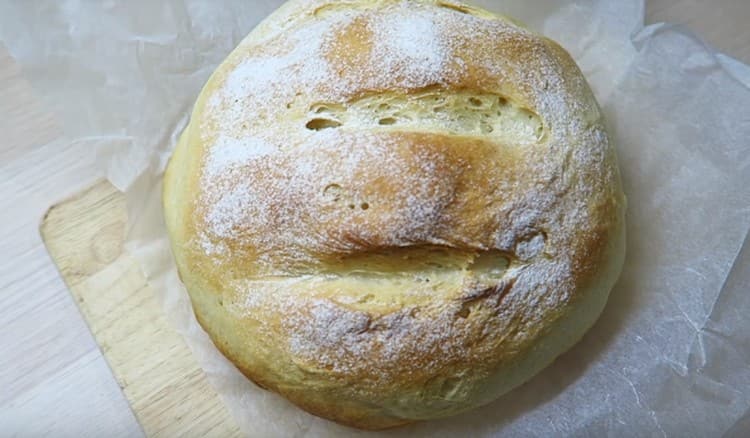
x: 166, y: 388
x: 53, y: 380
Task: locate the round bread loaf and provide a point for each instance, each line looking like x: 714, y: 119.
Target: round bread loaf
x: 389, y: 211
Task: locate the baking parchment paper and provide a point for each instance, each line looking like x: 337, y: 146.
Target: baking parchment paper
x: 670, y: 356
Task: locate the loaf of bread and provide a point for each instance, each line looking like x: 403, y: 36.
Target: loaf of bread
x: 390, y: 211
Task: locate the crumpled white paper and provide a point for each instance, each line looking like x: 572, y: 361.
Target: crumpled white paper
x: 671, y: 353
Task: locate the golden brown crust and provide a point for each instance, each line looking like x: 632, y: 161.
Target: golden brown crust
x: 391, y: 211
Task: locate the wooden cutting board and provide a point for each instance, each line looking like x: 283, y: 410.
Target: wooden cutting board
x: 166, y: 388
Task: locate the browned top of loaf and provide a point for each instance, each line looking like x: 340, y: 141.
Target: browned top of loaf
x: 386, y: 190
